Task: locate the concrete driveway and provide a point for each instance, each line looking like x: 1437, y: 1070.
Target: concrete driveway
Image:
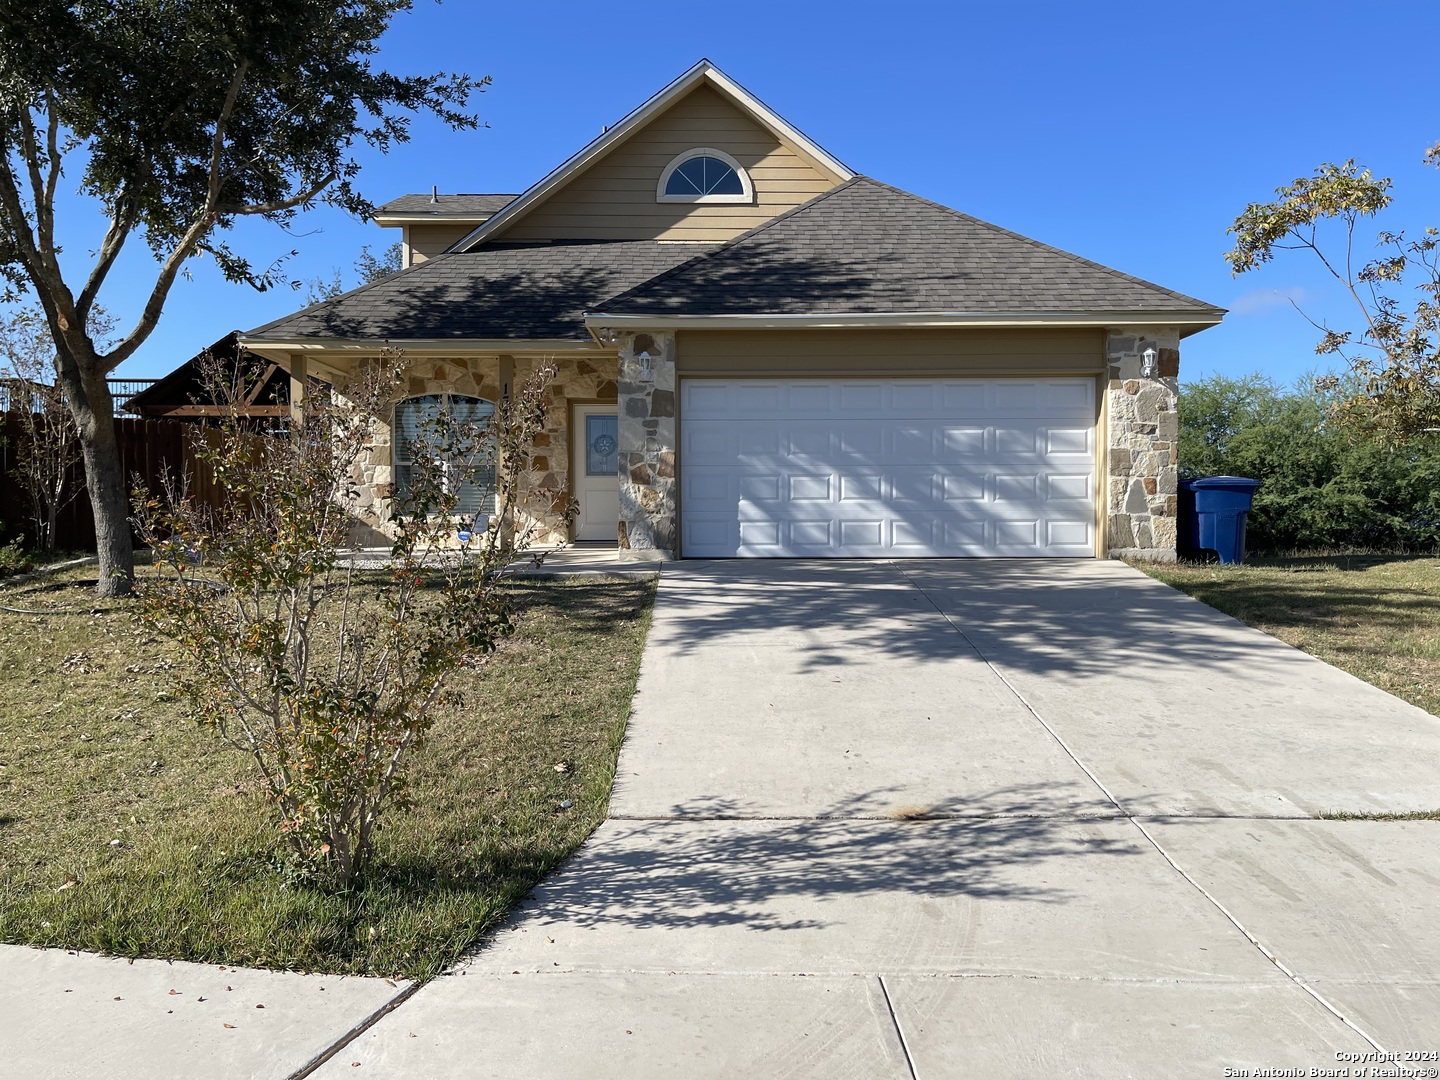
x: 943, y: 819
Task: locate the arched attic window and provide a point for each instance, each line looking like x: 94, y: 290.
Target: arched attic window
x: 704, y: 175
x: 455, y: 429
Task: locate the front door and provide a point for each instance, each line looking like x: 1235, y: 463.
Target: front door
x: 596, y: 484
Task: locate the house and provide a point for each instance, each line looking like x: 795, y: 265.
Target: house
x: 763, y: 353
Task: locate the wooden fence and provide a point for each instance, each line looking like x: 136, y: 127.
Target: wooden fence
x: 147, y: 449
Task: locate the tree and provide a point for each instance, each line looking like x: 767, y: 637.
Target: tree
x: 180, y: 118
x: 46, y: 446
x: 368, y: 266
x: 1319, y: 487
x: 328, y: 676
x: 1395, y: 356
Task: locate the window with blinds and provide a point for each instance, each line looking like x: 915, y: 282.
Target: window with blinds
x: 454, y: 429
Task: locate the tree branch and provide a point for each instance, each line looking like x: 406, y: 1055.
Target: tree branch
x: 115, y: 236
x: 217, y: 145
x: 244, y: 209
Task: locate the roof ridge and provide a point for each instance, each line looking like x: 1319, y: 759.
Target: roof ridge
x: 1091, y: 263
x: 753, y: 231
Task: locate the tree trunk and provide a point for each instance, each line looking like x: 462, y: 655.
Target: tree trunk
x: 90, y: 403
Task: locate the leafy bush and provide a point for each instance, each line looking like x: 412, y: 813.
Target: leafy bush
x: 327, y: 676
x: 13, y: 559
x: 1320, y: 486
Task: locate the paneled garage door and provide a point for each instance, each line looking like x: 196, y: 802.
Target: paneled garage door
x: 887, y: 467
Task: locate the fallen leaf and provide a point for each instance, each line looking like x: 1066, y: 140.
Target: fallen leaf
x: 230, y: 1026
x: 259, y: 1006
x: 174, y: 993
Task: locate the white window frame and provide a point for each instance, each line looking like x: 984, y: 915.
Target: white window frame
x: 747, y: 192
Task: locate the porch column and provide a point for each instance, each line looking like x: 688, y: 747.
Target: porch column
x: 646, y: 459
x: 1143, y: 437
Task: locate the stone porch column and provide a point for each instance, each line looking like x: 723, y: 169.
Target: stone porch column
x: 1143, y: 434
x: 648, y: 510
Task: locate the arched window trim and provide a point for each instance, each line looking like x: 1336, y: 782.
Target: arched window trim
x: 401, y: 460
x: 747, y: 192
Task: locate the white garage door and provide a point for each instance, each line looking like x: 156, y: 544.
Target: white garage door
x: 797, y: 468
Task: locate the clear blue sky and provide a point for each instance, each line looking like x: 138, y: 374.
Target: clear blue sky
x: 1130, y: 133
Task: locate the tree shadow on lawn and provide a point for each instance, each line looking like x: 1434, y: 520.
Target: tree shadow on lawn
x: 1300, y: 598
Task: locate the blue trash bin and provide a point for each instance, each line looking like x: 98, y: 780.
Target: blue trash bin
x: 1212, y: 516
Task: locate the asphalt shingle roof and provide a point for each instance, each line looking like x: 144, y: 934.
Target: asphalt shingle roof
x: 866, y: 247
x: 862, y: 247
x: 446, y: 205
x: 499, y: 291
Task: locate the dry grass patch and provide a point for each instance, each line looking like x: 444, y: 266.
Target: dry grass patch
x: 1375, y: 616
x: 124, y: 829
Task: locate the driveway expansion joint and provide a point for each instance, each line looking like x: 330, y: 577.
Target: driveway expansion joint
x: 1265, y: 951
x: 899, y: 1031
x: 404, y: 995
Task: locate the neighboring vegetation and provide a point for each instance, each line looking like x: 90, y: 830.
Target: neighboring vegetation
x: 126, y: 829
x: 178, y: 121
x: 1377, y: 617
x: 1392, y: 392
x: 1321, y: 487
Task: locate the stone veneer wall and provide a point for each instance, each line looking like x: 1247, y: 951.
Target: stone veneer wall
x: 592, y: 380
x: 648, y: 507
x: 1143, y: 434
x: 584, y: 380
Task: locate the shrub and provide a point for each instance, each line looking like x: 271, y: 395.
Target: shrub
x: 1320, y: 486
x: 324, y: 674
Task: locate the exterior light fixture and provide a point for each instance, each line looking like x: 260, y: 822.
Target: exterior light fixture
x: 647, y: 367
x: 1149, y: 362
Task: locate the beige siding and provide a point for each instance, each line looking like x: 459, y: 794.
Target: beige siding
x: 423, y: 241
x: 614, y: 199
x: 889, y: 352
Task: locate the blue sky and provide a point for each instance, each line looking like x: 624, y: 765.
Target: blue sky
x: 1130, y: 133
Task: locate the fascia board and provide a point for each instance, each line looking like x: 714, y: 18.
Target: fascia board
x: 618, y: 132
x: 276, y: 348
x: 423, y: 217
x: 909, y: 320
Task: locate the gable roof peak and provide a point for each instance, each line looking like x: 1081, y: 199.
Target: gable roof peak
x: 704, y: 71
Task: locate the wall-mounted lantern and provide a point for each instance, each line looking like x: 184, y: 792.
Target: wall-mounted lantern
x: 1149, y: 362
x: 647, y: 367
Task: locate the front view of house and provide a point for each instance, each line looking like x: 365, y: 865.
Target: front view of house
x: 760, y: 353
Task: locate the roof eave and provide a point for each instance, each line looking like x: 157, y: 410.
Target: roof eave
x: 616, y: 133
x: 1189, y: 322
x: 282, y: 348
x: 425, y: 217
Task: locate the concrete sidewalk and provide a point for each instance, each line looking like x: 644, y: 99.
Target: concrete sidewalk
x: 1001, y: 818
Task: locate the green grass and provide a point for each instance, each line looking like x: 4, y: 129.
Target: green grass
x: 1375, y: 616
x: 94, y: 749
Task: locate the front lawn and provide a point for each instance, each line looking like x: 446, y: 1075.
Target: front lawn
x: 125, y: 829
x: 1375, y: 616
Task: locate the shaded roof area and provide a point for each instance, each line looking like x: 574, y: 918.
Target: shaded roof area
x: 446, y: 205
x: 866, y: 247
x: 501, y: 291
x: 187, y: 391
